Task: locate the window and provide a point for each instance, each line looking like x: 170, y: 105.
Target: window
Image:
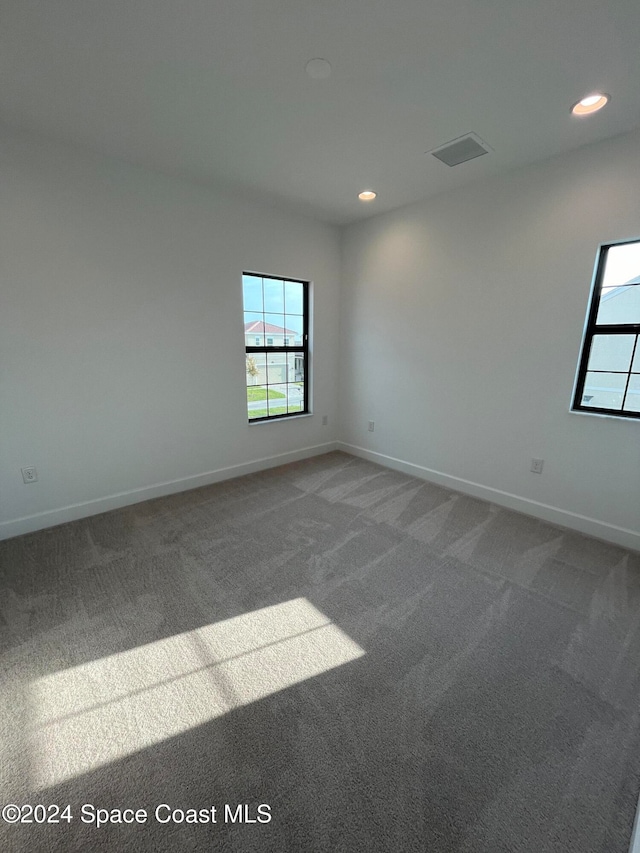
x: 276, y: 375
x: 608, y: 379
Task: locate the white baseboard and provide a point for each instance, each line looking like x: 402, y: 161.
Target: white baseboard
x: 634, y: 846
x: 50, y: 518
x: 564, y: 518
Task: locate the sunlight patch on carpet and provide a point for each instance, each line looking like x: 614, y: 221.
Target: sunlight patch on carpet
x: 97, y: 713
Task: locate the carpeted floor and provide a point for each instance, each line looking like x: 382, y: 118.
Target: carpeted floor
x: 378, y: 663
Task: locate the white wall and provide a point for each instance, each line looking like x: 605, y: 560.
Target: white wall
x: 462, y: 320
x: 121, y: 331
x: 121, y: 343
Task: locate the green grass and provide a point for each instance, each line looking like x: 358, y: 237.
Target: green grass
x: 254, y: 394
x: 279, y: 410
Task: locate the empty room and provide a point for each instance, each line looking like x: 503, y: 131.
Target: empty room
x: 320, y: 426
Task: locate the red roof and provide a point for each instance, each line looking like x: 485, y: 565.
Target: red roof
x: 260, y: 327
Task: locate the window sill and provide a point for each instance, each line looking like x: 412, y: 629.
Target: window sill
x: 604, y: 415
x: 277, y: 420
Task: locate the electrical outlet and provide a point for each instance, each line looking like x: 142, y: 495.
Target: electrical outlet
x: 536, y: 465
x: 325, y: 420
x: 372, y: 426
x: 29, y: 475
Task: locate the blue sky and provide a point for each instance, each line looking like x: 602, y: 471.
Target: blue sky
x: 280, y: 300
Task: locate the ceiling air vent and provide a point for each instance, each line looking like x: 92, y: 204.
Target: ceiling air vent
x: 459, y: 150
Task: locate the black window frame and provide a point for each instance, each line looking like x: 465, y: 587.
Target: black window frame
x: 593, y: 329
x: 299, y: 349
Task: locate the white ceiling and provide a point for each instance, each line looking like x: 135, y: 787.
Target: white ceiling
x: 216, y: 90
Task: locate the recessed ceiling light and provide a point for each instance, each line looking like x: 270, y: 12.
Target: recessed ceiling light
x: 590, y: 104
x: 319, y: 69
x: 367, y: 195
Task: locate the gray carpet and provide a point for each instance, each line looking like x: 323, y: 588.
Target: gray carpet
x: 386, y: 664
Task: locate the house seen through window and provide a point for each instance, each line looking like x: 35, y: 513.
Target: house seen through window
x: 276, y: 332
x: 608, y: 379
